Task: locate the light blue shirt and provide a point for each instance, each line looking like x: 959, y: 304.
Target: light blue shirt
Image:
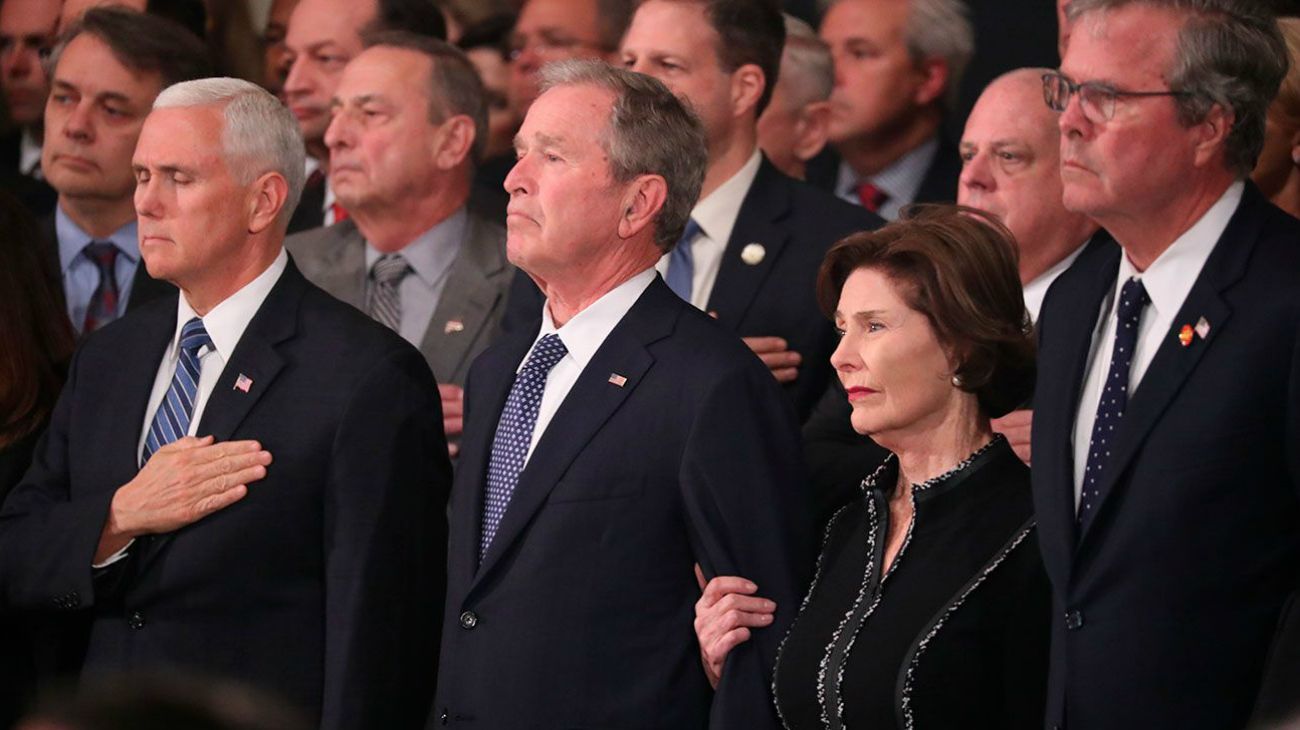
x: 900, y: 181
x: 81, y: 274
x: 430, y: 257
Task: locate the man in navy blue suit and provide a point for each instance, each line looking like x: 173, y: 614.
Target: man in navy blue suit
x: 757, y: 237
x: 247, y: 479
x: 611, y: 445
x: 1167, y: 413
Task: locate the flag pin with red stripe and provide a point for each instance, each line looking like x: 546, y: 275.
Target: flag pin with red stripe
x: 617, y: 379
x: 243, y: 383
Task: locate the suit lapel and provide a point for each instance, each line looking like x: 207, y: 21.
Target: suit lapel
x: 588, y: 405
x: 341, y: 263
x: 1058, y: 398
x: 1172, y: 363
x: 466, y: 304
x: 738, y: 282
x: 146, y: 338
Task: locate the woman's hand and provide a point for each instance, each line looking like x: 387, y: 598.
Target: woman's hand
x: 724, y: 614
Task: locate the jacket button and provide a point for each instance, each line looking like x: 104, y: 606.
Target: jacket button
x: 74, y: 600
x: 444, y: 718
x: 1074, y: 620
x: 135, y: 620
x: 468, y: 620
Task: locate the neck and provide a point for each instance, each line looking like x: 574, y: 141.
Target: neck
x: 99, y: 217
x: 727, y: 158
x: 1288, y: 197
x: 583, y: 283
x: 219, y: 284
x: 394, y: 224
x: 1146, y: 234
x: 868, y: 155
x: 928, y: 451
x: 1037, y: 259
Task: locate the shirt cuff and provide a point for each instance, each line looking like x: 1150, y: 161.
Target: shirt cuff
x: 115, y: 557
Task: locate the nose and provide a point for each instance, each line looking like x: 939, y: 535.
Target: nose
x: 77, y: 124
x: 298, y: 80
x: 1072, y: 121
x: 519, y: 179
x: 17, y: 61
x: 146, y: 198
x: 339, y: 132
x: 845, y: 358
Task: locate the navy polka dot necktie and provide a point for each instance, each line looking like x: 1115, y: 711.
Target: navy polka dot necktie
x: 1114, y: 396
x: 514, y: 433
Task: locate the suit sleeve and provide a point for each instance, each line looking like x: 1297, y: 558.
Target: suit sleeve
x: 47, y: 537
x: 385, y: 551
x: 744, y: 489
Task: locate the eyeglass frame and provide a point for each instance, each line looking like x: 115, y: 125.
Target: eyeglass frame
x: 1107, y: 113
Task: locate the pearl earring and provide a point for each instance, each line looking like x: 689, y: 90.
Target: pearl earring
x: 956, y: 381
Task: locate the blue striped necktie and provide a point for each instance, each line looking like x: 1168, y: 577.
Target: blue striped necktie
x: 172, y: 419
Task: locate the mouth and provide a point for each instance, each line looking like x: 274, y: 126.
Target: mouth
x: 73, y: 161
x: 858, y: 392
x: 150, y: 239
x: 305, y: 112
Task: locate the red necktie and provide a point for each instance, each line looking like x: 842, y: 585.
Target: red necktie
x: 102, y: 307
x: 340, y: 214
x: 871, y: 196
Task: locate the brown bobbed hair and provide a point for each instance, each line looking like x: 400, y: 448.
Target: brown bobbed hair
x: 958, y: 267
x: 36, y: 340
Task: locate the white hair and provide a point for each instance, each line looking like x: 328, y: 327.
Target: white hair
x: 806, y: 65
x: 260, y: 135
x: 942, y: 29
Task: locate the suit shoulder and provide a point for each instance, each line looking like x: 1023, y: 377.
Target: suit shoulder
x: 820, y: 210
x: 346, y: 332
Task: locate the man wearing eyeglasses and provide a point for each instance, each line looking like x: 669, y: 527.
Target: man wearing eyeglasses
x: 1166, y: 474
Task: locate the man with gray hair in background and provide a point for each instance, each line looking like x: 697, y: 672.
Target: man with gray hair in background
x: 898, y: 66
x: 794, y: 127
x: 1167, y: 414
x: 248, y: 479
x: 620, y: 444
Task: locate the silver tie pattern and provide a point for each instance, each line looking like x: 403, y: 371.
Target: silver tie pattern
x: 1114, y: 396
x: 383, y: 298
x: 515, y: 432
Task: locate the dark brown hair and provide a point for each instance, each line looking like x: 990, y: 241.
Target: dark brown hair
x: 141, y: 42
x: 36, y: 340
x: 958, y: 267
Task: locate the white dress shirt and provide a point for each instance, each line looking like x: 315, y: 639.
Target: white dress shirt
x: 716, y: 216
x: 582, y: 336
x: 29, y: 155
x: 430, y: 257
x: 327, y: 202
x: 900, y: 181
x: 225, y: 324
x: 1036, y: 290
x: 1167, y: 280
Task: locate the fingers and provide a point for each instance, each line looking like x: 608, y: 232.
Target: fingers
x: 453, y: 449
x: 762, y: 345
x: 718, y: 588
x: 725, y: 643
x: 218, y: 501
x: 237, y: 461
x: 452, y: 426
x: 453, y: 400
x: 699, y: 578
x: 184, y: 444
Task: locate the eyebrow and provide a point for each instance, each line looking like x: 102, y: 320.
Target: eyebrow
x: 543, y: 140
x: 862, y: 315
x: 166, y: 169
x: 359, y: 100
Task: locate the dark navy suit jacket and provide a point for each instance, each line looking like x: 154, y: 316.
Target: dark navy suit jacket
x: 323, y: 584
x: 795, y: 224
x: 581, y: 612
x: 1167, y: 601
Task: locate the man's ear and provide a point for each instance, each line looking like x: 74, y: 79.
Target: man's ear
x: 747, y: 85
x: 268, y: 195
x: 641, y: 205
x: 812, y: 129
x: 934, y: 74
x: 1212, y: 134
x: 454, y: 141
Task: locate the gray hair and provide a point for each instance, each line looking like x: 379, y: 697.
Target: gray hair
x: 1229, y: 53
x: 259, y: 135
x: 455, y: 84
x: 807, y: 61
x: 650, y: 132
x: 942, y: 29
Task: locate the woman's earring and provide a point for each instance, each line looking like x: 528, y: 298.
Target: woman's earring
x: 956, y: 381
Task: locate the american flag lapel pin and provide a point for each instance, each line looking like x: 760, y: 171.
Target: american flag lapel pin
x: 243, y: 383
x: 617, y: 379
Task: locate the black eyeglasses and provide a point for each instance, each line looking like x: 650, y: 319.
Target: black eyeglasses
x: 1096, y: 100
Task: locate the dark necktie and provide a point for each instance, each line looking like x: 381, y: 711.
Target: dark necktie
x: 681, y: 263
x: 102, y: 307
x: 1114, y: 396
x: 871, y: 197
x: 515, y: 432
x: 172, y: 419
x: 384, y: 301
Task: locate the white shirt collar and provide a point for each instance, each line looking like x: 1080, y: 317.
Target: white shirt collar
x: 717, y: 213
x: 226, y: 322
x: 1036, y: 290
x: 29, y: 154
x: 1170, y: 277
x: 586, y: 331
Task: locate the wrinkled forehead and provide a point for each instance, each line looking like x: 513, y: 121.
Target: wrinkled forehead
x: 1130, y: 47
